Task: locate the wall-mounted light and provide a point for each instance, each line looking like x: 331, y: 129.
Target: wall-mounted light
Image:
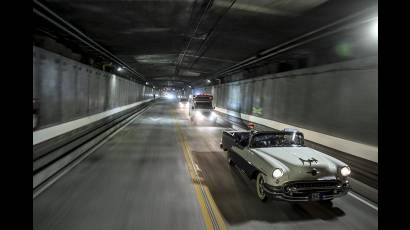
x: 119, y: 69
x: 375, y: 29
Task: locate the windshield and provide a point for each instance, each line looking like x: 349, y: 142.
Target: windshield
x: 268, y: 140
x: 203, y: 105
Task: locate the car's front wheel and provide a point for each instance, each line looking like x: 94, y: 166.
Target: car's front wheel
x: 259, y: 188
x: 327, y: 203
x: 229, y: 158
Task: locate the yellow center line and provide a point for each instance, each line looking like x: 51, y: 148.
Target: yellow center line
x: 210, y: 212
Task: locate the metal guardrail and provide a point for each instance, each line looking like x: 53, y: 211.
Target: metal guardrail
x: 54, y: 155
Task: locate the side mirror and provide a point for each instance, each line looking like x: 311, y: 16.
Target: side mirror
x: 251, y: 126
x: 213, y: 107
x: 192, y: 107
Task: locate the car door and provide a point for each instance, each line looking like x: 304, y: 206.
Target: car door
x: 255, y: 162
x: 247, y: 158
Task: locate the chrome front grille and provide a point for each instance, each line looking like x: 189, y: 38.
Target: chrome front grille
x: 311, y: 185
x: 309, y: 190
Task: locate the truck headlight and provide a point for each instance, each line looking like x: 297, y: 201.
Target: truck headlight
x: 277, y: 173
x: 199, y: 115
x: 345, y: 171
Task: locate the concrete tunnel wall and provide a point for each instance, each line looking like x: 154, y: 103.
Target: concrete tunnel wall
x: 68, y: 90
x: 339, y: 100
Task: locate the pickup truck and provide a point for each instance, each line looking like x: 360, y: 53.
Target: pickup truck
x: 284, y: 168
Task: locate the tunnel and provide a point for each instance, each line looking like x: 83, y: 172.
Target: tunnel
x: 205, y: 114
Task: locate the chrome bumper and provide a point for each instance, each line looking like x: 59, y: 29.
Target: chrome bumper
x: 315, y: 192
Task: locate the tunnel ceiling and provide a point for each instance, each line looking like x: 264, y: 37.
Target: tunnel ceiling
x: 153, y: 36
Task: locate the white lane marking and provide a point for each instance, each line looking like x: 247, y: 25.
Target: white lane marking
x: 197, y: 167
x: 354, y: 148
x: 363, y: 201
x: 48, y: 133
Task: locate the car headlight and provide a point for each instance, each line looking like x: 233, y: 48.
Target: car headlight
x: 277, y: 173
x: 345, y: 171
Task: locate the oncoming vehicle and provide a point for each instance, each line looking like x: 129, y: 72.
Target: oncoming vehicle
x: 284, y: 168
x: 201, y: 109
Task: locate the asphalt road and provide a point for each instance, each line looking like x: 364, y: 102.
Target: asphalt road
x: 139, y: 180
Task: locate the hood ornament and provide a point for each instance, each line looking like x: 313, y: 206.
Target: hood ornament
x: 314, y: 172
x: 308, y: 160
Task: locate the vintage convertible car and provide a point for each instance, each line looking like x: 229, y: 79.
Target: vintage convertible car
x: 284, y: 168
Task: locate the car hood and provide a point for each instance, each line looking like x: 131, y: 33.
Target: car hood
x: 295, y: 161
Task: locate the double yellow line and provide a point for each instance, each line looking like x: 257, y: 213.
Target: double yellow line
x: 210, y: 212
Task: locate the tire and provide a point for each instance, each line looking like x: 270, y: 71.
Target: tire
x: 259, y: 188
x: 327, y: 203
x: 230, y: 161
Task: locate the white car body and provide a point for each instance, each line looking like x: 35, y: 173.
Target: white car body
x: 306, y: 172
